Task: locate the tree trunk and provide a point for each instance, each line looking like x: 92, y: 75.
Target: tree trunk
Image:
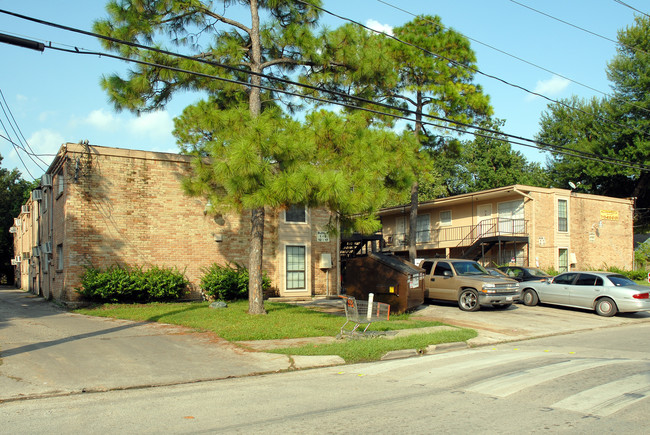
x: 413, y: 222
x: 255, y: 290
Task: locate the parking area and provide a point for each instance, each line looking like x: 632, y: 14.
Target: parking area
x: 522, y: 322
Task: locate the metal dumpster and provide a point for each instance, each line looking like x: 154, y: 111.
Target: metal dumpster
x: 393, y: 280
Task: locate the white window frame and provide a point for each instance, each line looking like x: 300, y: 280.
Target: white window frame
x: 59, y: 257
x: 60, y: 186
x: 445, y: 222
x: 286, y: 221
x: 423, y: 229
x: 566, y: 216
x: 288, y: 271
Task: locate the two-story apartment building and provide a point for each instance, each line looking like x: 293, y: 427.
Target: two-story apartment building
x: 531, y: 226
x: 100, y: 206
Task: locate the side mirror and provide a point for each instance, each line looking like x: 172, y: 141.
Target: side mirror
x: 447, y: 273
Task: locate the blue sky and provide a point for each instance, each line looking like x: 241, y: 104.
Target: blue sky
x: 55, y: 97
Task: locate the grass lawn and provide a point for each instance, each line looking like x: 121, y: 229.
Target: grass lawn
x: 282, y: 321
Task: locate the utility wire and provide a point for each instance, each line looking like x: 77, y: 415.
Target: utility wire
x: 539, y: 145
x: 555, y: 148
x: 578, y: 27
x: 469, y: 67
x: 628, y: 6
x: 20, y: 133
x: 614, y: 97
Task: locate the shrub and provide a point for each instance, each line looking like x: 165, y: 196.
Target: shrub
x: 634, y: 275
x: 123, y: 284
x: 229, y: 282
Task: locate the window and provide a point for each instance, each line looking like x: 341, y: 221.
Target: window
x: 563, y: 260
x: 427, y: 265
x: 423, y: 234
x: 296, y: 213
x: 295, y: 267
x: 441, y: 268
x: 44, y: 202
x: 586, y: 279
x: 511, y: 217
x: 59, y: 257
x: 445, y: 218
x: 562, y: 215
x: 566, y: 278
x: 59, y: 184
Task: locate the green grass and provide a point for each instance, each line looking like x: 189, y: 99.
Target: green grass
x: 372, y: 349
x: 234, y: 324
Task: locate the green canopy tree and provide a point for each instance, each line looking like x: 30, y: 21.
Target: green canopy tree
x: 250, y: 154
x: 436, y: 81
x: 14, y: 191
x: 488, y: 162
x: 209, y: 32
x: 617, y: 126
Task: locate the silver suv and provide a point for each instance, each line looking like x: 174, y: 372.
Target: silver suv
x: 468, y: 283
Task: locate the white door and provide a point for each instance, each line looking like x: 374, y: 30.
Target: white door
x: 484, y: 213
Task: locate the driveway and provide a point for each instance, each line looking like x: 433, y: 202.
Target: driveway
x: 45, y: 350
x: 520, y: 322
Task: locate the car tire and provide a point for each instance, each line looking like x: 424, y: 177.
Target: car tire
x: 606, y: 307
x: 529, y: 297
x: 501, y: 306
x: 468, y: 300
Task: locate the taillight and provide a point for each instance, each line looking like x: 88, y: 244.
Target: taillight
x: 641, y: 296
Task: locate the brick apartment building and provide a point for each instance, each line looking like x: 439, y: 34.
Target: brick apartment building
x: 100, y: 206
x: 528, y: 226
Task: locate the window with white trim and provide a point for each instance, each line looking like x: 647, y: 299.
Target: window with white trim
x: 423, y: 234
x: 562, y: 216
x: 59, y: 257
x: 445, y: 218
x: 296, y: 271
x: 296, y: 213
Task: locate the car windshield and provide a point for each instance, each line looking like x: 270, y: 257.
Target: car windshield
x: 465, y: 268
x: 620, y: 280
x: 537, y: 272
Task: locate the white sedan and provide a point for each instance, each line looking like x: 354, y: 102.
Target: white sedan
x: 607, y: 293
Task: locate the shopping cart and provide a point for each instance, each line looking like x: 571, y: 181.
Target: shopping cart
x: 362, y: 312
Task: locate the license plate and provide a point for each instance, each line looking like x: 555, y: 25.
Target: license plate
x: 509, y: 298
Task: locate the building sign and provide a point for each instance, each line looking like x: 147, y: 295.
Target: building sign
x: 609, y: 215
x: 592, y: 237
x: 322, y: 236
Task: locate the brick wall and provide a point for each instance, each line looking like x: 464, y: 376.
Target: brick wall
x: 128, y: 207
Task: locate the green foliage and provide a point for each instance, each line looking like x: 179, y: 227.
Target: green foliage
x: 14, y: 191
x: 634, y: 275
x: 229, y: 282
x: 124, y: 284
x: 642, y: 254
x: 617, y: 127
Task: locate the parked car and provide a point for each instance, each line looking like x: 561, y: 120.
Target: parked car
x: 524, y: 273
x: 468, y: 283
x: 605, y: 292
x: 496, y: 272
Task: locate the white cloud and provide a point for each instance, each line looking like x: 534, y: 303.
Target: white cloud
x: 376, y: 25
x: 102, y: 120
x: 46, y: 141
x: 157, y: 125
x: 550, y: 88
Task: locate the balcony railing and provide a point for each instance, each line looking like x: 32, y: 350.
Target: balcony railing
x: 466, y: 235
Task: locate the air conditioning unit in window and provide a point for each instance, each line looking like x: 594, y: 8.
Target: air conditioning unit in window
x: 17, y: 222
x: 13, y: 230
x: 25, y: 256
x: 13, y: 262
x: 36, y: 251
x: 17, y: 259
x: 37, y: 195
x: 47, y: 248
x: 24, y: 209
x: 46, y: 180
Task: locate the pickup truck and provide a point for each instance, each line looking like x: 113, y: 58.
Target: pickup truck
x: 468, y: 283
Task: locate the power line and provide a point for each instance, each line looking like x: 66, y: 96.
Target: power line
x: 578, y: 27
x: 539, y: 145
x: 469, y: 67
x: 613, y: 96
x: 555, y: 148
x: 628, y: 6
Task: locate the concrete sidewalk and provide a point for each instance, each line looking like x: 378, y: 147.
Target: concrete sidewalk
x: 45, y: 351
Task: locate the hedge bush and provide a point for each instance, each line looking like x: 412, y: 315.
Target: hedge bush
x: 119, y: 284
x: 229, y: 282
